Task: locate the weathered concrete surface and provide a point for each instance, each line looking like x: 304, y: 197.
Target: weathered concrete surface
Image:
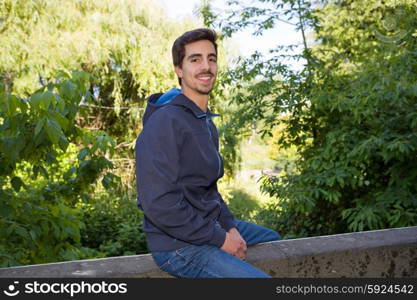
x: 120, y: 266
x: 380, y: 253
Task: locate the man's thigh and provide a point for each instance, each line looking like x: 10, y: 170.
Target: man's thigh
x: 206, y: 262
x: 254, y: 234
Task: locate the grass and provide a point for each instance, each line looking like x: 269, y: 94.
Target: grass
x: 243, y: 193
x: 255, y: 155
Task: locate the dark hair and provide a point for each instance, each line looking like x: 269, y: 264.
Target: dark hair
x: 178, y: 48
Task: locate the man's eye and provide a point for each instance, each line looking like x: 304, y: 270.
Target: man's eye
x: 194, y: 60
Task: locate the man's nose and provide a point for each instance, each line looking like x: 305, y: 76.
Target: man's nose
x: 205, y: 65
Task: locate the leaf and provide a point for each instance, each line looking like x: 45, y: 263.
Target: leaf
x: 50, y: 158
x: 88, y: 97
x: 5, y: 210
x: 69, y: 91
x: 23, y: 105
x: 43, y: 100
x: 83, y: 153
x: 70, y: 173
x: 10, y: 229
x: 36, y: 99
x: 54, y: 211
x: 53, y: 130
x: 63, y: 143
x: 47, y: 100
x: 70, y: 232
x: 16, y: 183
x: 39, y: 126
x: 33, y: 235
x: 82, y: 79
x: 39, y: 169
x: 60, y: 119
x: 35, y: 170
x: 109, y: 180
x: 21, y: 231
x: 61, y: 103
x: 12, y: 147
x: 12, y: 104
x: 44, y: 227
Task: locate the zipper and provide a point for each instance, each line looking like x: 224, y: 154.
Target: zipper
x: 208, y: 118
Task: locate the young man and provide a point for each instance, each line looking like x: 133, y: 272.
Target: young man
x: 189, y: 228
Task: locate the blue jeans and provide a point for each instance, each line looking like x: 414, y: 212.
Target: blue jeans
x: 208, y: 261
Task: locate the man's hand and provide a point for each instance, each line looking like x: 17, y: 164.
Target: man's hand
x: 235, y: 244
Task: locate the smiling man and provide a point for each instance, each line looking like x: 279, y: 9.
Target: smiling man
x: 189, y: 228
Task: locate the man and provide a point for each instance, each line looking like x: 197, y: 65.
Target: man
x: 189, y: 228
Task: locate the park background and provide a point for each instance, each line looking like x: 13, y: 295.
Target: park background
x: 318, y: 126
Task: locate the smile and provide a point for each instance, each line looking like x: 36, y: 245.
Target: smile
x: 205, y: 78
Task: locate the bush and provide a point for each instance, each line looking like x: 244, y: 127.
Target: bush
x: 41, y: 175
x: 113, y: 225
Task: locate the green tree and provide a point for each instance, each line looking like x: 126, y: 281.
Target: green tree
x: 43, y: 176
x: 350, y: 112
x: 60, y: 134
x: 124, y: 44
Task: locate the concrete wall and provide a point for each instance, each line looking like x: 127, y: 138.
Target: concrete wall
x: 380, y: 253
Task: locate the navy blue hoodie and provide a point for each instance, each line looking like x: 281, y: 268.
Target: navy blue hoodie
x: 177, y: 168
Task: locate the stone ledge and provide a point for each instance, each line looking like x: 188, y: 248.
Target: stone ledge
x: 377, y: 254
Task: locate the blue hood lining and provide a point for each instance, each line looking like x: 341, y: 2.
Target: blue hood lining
x: 159, y: 101
x: 168, y: 96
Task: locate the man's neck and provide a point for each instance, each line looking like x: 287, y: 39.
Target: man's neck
x: 200, y: 100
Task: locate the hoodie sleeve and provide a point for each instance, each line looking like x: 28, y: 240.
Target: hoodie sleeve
x: 160, y: 195
x: 226, y: 218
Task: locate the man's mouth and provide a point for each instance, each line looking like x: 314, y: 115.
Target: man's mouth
x: 205, y: 77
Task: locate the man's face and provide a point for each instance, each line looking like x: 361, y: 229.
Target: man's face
x: 199, y: 68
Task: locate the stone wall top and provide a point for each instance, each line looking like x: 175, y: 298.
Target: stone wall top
x: 379, y: 253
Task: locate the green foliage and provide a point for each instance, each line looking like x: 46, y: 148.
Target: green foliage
x: 285, y: 158
x: 229, y: 132
x: 41, y: 177
x: 61, y: 134
x: 113, y: 225
x: 350, y: 113
x: 229, y: 141
x: 242, y: 204
x: 125, y: 45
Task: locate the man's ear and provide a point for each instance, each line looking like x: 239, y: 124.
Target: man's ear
x: 178, y: 71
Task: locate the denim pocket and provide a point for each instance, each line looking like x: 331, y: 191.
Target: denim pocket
x: 162, y: 259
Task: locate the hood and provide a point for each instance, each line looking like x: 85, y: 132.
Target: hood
x: 173, y: 97
x: 157, y: 101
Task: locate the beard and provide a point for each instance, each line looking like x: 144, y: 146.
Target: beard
x: 205, y: 91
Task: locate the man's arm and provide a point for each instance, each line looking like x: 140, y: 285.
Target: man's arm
x: 234, y: 243
x: 226, y: 218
